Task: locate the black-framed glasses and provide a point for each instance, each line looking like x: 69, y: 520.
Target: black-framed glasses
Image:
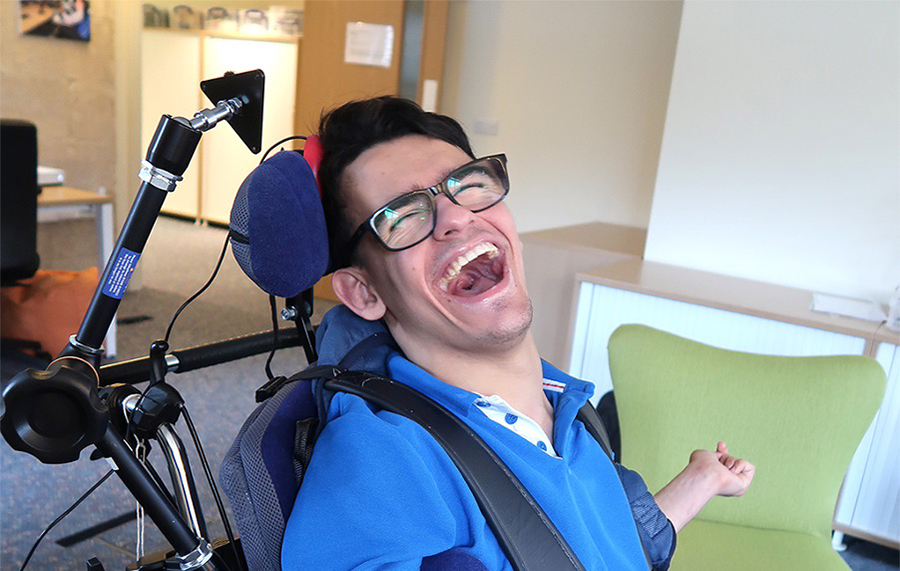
x: 411, y: 218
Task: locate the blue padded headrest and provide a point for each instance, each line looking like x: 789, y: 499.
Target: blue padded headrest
x: 278, y: 233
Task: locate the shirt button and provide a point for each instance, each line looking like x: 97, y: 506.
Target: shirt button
x: 511, y: 418
x: 482, y: 403
x: 542, y: 446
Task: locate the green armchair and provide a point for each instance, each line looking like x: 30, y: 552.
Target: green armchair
x: 798, y: 419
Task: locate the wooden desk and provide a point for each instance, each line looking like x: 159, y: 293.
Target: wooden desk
x: 748, y: 297
x: 67, y: 196
x: 62, y: 197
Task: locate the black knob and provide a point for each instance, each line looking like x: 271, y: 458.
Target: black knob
x: 54, y: 414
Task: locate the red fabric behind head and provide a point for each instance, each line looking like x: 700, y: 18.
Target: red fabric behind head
x: 312, y: 152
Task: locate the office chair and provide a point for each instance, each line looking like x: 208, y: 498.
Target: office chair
x: 18, y: 192
x: 19, y: 258
x: 798, y: 419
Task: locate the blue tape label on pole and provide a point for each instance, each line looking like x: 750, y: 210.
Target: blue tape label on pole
x: 121, y: 273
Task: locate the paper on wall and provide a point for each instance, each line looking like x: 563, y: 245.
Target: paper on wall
x: 369, y: 44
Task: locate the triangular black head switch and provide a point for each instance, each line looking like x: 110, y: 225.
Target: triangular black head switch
x: 248, y: 87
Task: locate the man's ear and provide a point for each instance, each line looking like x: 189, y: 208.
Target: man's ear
x: 354, y: 290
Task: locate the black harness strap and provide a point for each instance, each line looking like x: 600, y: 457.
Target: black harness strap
x: 589, y: 416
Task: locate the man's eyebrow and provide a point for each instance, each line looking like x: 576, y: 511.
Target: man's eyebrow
x: 444, y: 175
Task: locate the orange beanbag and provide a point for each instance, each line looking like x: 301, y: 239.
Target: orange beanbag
x: 47, y: 307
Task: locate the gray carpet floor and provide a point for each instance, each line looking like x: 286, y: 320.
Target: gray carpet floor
x: 177, y: 260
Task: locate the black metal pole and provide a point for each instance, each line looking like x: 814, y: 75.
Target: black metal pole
x: 168, y: 156
x: 120, y: 265
x: 138, y: 370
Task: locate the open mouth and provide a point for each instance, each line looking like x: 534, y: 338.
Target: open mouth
x: 474, y: 272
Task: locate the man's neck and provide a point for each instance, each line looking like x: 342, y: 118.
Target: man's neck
x: 512, y: 373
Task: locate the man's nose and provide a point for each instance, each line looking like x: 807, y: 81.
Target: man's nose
x: 451, y: 218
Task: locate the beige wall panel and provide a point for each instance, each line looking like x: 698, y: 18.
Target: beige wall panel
x: 325, y: 80
x: 781, y: 153
x: 577, y: 92
x: 68, y: 90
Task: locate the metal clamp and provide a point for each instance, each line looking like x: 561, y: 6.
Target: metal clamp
x: 172, y: 362
x: 196, y: 558
x: 206, y: 119
x: 158, y: 177
x: 85, y: 348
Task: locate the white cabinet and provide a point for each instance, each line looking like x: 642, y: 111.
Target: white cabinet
x: 870, y: 499
x: 173, y: 64
x: 170, y: 84
x: 760, y: 318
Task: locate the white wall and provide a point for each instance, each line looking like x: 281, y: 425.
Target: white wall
x: 781, y: 155
x: 579, y: 90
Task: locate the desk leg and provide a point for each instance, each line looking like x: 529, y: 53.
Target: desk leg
x: 105, y: 244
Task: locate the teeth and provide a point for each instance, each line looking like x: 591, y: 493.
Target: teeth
x: 460, y: 262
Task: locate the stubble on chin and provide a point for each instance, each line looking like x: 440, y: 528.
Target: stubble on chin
x: 511, y: 331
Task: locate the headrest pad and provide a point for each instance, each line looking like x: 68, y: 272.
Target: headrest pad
x: 278, y: 232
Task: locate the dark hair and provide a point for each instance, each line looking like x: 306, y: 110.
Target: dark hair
x: 351, y: 129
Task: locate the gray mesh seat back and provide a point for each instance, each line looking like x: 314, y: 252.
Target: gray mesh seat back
x: 259, y: 473
x: 251, y: 486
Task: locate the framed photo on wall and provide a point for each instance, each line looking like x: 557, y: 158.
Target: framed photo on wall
x: 66, y: 19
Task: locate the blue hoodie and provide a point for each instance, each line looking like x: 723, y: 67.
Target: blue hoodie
x: 380, y: 492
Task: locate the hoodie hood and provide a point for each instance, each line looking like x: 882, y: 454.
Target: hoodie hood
x: 346, y: 340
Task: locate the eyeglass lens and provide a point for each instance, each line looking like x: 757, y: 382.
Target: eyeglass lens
x: 411, y: 217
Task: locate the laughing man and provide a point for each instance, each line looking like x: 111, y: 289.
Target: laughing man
x: 427, y: 245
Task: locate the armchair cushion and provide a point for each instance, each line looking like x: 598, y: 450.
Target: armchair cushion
x: 710, y: 545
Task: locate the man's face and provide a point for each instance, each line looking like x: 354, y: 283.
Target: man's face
x: 434, y: 296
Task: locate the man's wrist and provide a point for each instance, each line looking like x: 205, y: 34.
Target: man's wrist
x: 709, y: 480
